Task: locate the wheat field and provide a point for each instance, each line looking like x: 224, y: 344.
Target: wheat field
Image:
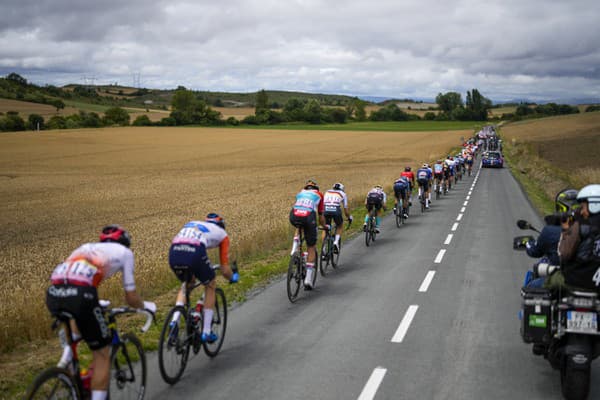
x: 58, y: 188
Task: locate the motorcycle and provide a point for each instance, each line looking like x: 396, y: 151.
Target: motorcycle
x: 562, y: 325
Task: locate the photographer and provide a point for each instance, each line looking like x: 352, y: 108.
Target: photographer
x: 579, y: 245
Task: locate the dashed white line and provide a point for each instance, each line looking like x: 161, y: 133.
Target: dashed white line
x: 465, y: 203
x: 370, y: 389
x: 463, y: 209
x: 405, y: 324
x: 440, y: 255
x: 459, y: 217
x: 467, y: 198
x: 454, y: 226
x: 448, y: 238
x: 426, y: 281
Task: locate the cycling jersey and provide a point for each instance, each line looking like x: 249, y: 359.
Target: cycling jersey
x: 334, y: 200
x: 423, y: 174
x: 438, y: 169
x: 376, y: 196
x: 308, y: 201
x: 196, y: 233
x: 92, y: 263
x: 408, y: 175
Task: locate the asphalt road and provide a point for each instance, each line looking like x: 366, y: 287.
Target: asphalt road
x: 419, y: 314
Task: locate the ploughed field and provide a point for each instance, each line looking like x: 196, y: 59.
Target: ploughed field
x: 58, y: 188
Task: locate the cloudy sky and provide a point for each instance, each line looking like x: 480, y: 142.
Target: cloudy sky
x: 540, y: 50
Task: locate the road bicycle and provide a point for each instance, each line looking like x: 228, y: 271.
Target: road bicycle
x: 371, y: 227
x: 329, y: 254
x: 297, y: 268
x: 438, y: 189
x: 128, y: 368
x: 179, y: 335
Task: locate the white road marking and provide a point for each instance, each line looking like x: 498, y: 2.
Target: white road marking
x: 467, y: 198
x: 427, y: 281
x: 463, y: 209
x: 405, y: 324
x: 370, y: 389
x: 448, y: 238
x: 455, y: 226
x: 440, y: 255
x: 459, y: 217
x: 465, y: 203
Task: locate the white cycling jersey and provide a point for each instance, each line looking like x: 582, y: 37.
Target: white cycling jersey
x: 92, y: 263
x: 201, y: 232
x: 334, y: 199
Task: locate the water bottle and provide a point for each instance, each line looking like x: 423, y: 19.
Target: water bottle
x: 197, y: 313
x: 304, y: 256
x: 86, y: 378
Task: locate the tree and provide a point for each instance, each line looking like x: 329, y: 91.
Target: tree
x: 312, y: 112
x: 142, y: 120
x: 360, y: 113
x: 116, y: 116
x: 57, y: 122
x: 35, y: 121
x: 58, y: 104
x: 448, y: 102
x: 261, y: 109
x: 12, y: 122
x: 16, y: 78
x: 477, y: 106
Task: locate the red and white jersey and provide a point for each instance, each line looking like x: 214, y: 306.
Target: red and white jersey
x: 409, y: 175
x: 92, y: 263
x: 334, y: 199
x: 205, y: 233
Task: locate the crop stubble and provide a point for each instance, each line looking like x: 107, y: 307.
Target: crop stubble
x: 58, y: 188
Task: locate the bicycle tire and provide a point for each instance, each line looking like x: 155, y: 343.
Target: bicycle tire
x: 43, y: 388
x: 335, y: 257
x: 398, y: 215
x: 373, y: 227
x: 368, y: 232
x: 218, y: 325
x: 422, y: 201
x: 325, y: 255
x: 177, y: 352
x: 294, y: 276
x: 128, y: 369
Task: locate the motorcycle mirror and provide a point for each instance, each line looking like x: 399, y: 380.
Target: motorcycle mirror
x: 522, y: 224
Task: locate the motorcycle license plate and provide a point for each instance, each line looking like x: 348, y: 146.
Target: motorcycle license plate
x: 582, y: 321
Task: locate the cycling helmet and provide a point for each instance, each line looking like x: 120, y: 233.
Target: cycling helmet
x: 378, y: 187
x: 311, y: 184
x: 215, y: 219
x: 424, y: 165
x: 407, y: 169
x: 565, y: 200
x: 591, y: 194
x: 115, y: 233
x: 338, y: 186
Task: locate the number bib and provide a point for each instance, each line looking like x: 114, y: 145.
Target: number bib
x: 78, y: 272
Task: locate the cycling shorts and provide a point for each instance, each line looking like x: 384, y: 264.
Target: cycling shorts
x: 439, y: 176
x: 336, y: 216
x: 82, y: 303
x: 470, y: 162
x: 400, y: 190
x: 308, y: 223
x: 188, y: 261
x: 375, y: 204
x: 424, y: 183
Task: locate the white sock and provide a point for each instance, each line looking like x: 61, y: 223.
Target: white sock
x: 99, y: 394
x: 177, y: 314
x: 337, y: 239
x: 208, y: 316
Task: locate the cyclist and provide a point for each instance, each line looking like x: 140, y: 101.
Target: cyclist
x: 438, y: 173
x: 410, y: 176
x: 74, y: 290
x: 451, y: 164
x: 423, y: 179
x: 309, y: 203
x: 376, y: 198
x: 334, y: 200
x: 188, y: 254
x: 469, y: 162
x: 401, y: 189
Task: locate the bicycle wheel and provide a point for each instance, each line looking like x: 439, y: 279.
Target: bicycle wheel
x: 53, y: 383
x: 437, y: 192
x: 128, y: 369
x: 174, y: 346
x: 398, y: 214
x: 368, y: 232
x: 335, y: 257
x: 422, y: 201
x: 326, y: 254
x: 218, y: 325
x: 294, y: 276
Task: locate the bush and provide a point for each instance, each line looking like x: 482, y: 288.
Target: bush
x: 429, y: 116
x: 12, y: 122
x: 168, y: 121
x: 592, y: 108
x: 57, y: 122
x: 250, y: 120
x: 142, y: 120
x: 35, y: 121
x: 116, y: 116
x: 232, y: 121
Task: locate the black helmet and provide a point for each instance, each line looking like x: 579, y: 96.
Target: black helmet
x: 115, y: 233
x: 339, y: 186
x: 407, y: 169
x: 565, y: 200
x: 215, y: 219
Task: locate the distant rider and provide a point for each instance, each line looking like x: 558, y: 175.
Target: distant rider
x: 376, y: 199
x: 335, y: 200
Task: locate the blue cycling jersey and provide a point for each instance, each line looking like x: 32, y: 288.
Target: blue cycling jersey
x: 423, y: 173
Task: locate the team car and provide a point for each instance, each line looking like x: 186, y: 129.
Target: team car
x: 492, y: 159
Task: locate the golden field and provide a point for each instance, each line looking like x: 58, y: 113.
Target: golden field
x: 24, y: 108
x: 58, y: 188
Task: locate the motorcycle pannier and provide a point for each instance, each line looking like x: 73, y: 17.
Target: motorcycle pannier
x: 536, y: 321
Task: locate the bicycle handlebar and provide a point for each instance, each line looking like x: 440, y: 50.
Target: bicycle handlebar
x: 113, y: 312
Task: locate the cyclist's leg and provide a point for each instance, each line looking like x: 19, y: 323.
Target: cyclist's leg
x: 310, y: 235
x: 378, y: 211
x: 101, y: 375
x: 339, y: 222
